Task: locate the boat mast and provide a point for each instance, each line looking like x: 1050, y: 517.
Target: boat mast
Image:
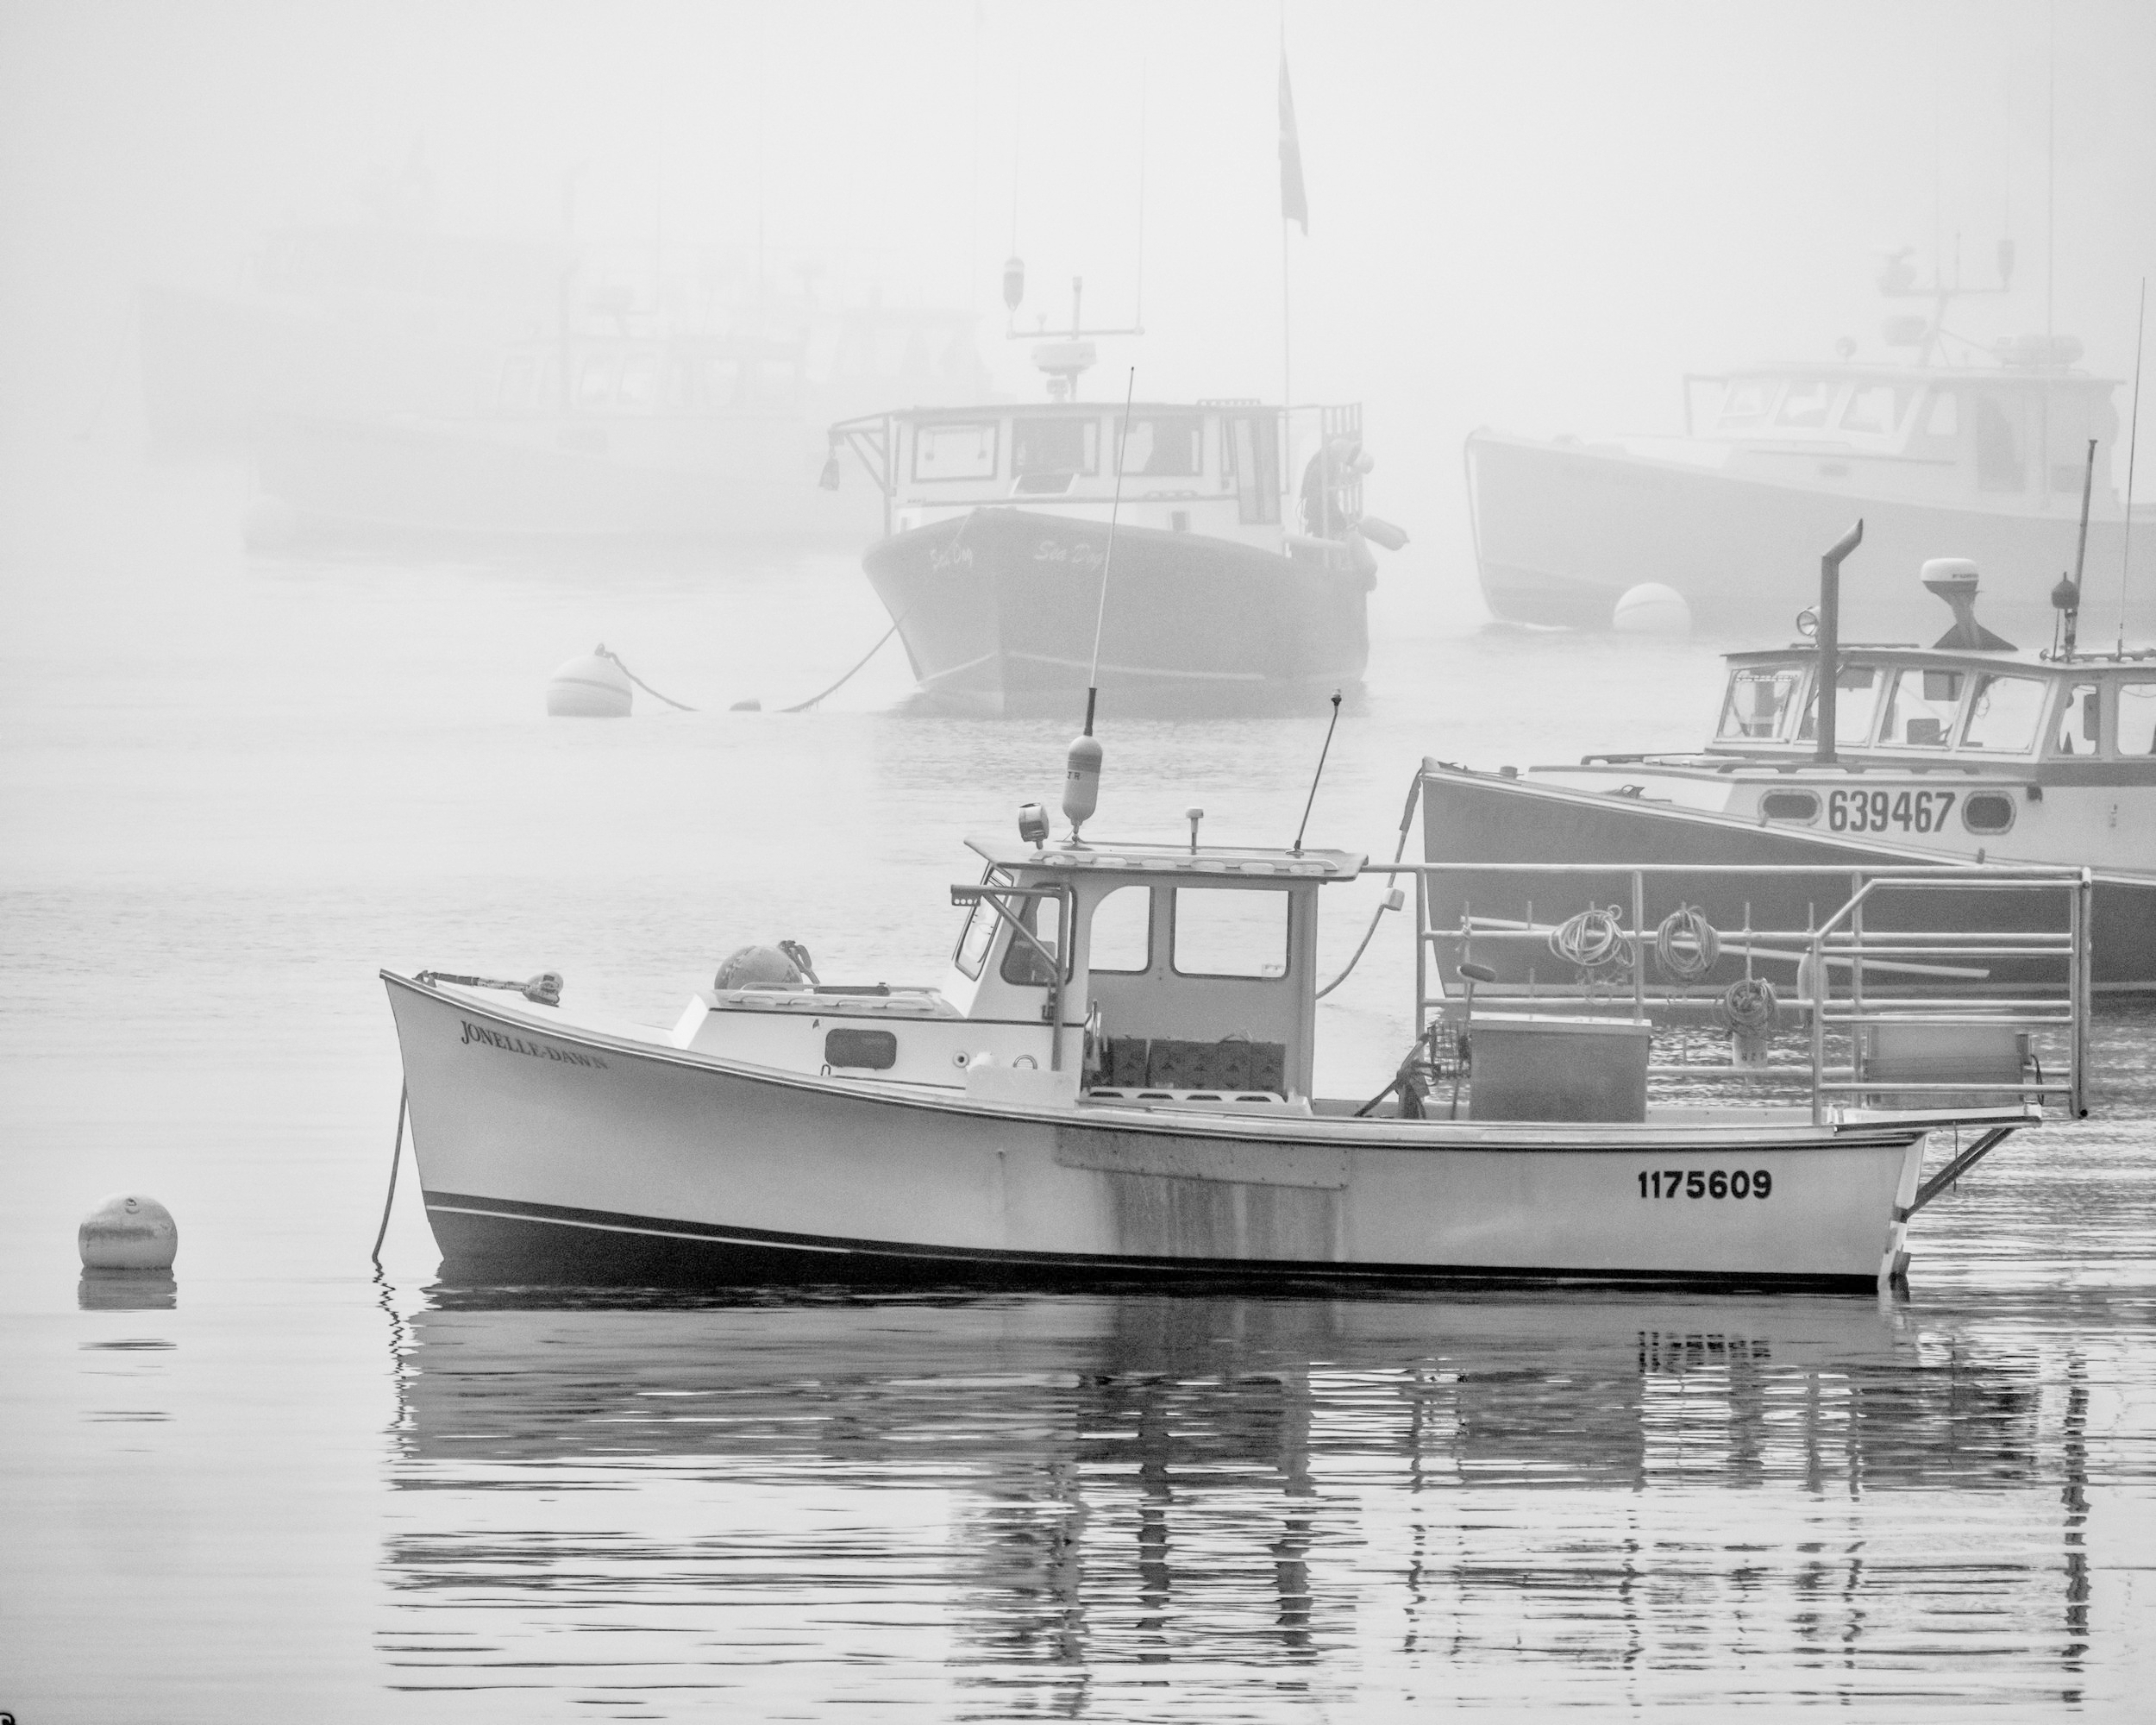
x: 2133, y: 444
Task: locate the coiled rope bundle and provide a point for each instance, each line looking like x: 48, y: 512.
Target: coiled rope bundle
x: 1686, y: 946
x: 1750, y: 1006
x: 1595, y: 941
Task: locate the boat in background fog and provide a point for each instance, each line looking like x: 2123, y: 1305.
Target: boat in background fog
x: 1970, y: 751
x: 1236, y: 588
x: 639, y: 429
x: 1985, y: 458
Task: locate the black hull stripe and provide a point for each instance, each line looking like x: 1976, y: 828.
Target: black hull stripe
x: 508, y: 1227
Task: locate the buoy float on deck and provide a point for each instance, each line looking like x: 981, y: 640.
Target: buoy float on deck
x: 591, y: 686
x: 129, y: 1232
x: 1652, y: 609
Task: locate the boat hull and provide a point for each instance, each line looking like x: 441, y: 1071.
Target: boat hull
x: 548, y: 1150
x: 1475, y: 817
x: 1561, y: 530
x: 997, y: 608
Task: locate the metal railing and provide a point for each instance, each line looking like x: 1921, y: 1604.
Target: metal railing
x: 2044, y: 1001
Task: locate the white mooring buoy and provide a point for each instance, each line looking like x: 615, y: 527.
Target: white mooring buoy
x: 1652, y: 609
x: 129, y: 1232
x: 589, y: 686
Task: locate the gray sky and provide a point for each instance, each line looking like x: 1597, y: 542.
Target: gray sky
x: 1533, y: 215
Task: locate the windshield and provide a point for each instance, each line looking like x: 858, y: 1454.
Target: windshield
x: 1919, y: 713
x: 1804, y: 408
x: 1756, y: 707
x: 979, y: 929
x: 1856, y: 703
x: 2003, y: 715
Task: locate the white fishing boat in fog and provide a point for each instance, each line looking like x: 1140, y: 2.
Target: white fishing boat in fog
x: 1979, y: 449
x: 1114, y: 1077
x: 1242, y: 558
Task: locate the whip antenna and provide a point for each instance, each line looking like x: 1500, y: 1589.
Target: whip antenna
x: 1296, y: 849
x: 2133, y: 441
x: 1081, y: 767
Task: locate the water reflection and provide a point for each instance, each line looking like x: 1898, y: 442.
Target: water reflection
x: 1020, y: 1506
x: 126, y: 1290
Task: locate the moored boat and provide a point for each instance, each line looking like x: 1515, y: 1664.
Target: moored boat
x: 1966, y: 752
x: 1114, y: 1078
x: 1986, y: 455
x: 1237, y: 586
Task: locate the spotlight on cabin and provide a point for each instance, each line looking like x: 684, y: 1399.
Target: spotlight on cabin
x: 1808, y: 624
x: 1033, y: 824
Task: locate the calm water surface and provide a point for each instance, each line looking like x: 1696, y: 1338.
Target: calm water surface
x: 279, y: 1487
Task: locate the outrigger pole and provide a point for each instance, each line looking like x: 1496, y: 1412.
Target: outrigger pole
x: 1081, y: 767
x: 2132, y: 445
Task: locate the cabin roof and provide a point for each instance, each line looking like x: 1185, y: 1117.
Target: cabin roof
x: 2023, y: 659
x: 2047, y: 377
x: 1102, y: 857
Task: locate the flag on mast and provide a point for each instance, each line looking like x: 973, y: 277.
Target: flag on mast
x: 1293, y: 206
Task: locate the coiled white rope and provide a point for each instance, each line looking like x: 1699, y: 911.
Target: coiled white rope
x: 1594, y: 940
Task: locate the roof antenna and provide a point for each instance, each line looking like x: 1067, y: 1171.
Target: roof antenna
x: 1081, y: 767
x: 2132, y: 442
x: 2067, y: 596
x: 1296, y: 849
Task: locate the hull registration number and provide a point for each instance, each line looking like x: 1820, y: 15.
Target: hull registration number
x: 1888, y: 811
x: 1699, y: 1182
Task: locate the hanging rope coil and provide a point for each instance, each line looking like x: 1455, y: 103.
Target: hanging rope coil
x: 545, y: 989
x: 1750, y: 1006
x: 1686, y: 946
x: 1594, y: 940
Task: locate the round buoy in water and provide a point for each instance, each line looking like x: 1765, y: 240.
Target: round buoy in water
x: 589, y: 686
x: 129, y: 1232
x: 1652, y: 609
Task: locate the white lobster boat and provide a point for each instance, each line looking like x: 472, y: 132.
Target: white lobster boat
x: 1114, y: 1080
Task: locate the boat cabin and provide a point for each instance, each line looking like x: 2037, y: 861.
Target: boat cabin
x: 1973, y: 709
x: 1231, y: 469
x: 2014, y: 436
x: 1162, y: 974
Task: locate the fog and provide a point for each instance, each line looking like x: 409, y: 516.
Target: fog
x: 1534, y: 217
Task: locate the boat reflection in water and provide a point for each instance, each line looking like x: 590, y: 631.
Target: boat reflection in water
x: 1018, y: 1505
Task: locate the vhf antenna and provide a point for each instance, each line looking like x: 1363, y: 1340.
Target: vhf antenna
x: 2133, y: 443
x: 1081, y: 767
x: 1296, y: 849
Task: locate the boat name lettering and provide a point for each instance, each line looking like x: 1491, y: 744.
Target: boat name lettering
x: 1055, y: 551
x: 1699, y: 1182
x: 516, y: 1044
x: 950, y: 557
x: 1875, y: 810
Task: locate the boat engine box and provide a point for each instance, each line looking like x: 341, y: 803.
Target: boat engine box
x: 1533, y: 1066
x: 1994, y: 1056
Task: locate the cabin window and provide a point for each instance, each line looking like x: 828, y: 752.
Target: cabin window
x: 955, y: 452
x: 640, y: 380
x: 519, y: 373
x: 1856, y: 704
x: 1873, y: 408
x: 1757, y: 708
x: 1251, y: 455
x: 1022, y: 964
x: 980, y: 931
x: 1221, y: 932
x: 1998, y: 444
x: 2137, y: 718
x: 2080, y: 721
x: 1988, y: 812
x: 595, y: 380
x: 1120, y: 936
x: 875, y: 1050
x: 1919, y: 712
x: 1056, y: 446
x: 1802, y: 805
x: 1746, y: 403
x: 2002, y: 717
x: 1166, y: 446
x: 1805, y: 403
